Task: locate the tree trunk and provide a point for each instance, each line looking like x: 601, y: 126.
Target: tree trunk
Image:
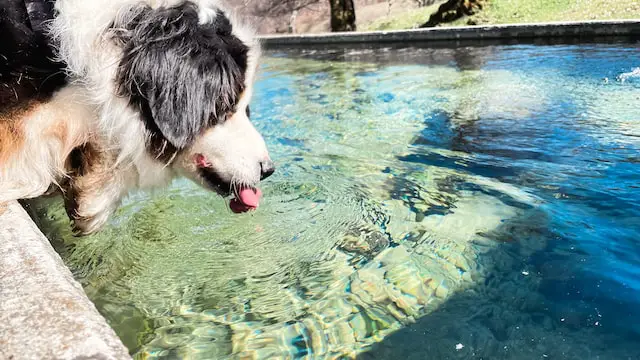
x: 292, y: 22
x: 343, y: 15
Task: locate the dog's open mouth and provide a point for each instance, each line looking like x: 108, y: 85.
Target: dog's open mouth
x: 245, y: 198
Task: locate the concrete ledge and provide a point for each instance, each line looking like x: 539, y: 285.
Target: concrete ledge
x: 44, y: 313
x: 494, y: 32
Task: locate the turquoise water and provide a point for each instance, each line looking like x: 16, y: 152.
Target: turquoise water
x: 429, y: 203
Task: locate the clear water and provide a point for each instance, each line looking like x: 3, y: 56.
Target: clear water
x: 447, y: 203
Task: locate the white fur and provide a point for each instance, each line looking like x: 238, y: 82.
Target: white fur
x: 234, y: 143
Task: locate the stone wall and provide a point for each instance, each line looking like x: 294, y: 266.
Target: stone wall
x: 44, y: 313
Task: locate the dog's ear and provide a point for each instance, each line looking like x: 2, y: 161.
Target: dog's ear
x: 182, y: 75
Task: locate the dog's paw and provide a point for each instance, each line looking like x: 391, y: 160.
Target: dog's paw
x: 89, y: 211
x: 88, y: 214
x: 87, y: 225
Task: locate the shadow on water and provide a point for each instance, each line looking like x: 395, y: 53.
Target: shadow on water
x: 538, y: 301
x: 516, y: 314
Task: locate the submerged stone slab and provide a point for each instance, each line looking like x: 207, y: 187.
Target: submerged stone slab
x: 44, y: 313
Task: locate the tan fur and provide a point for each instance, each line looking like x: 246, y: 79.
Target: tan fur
x: 10, y: 139
x: 60, y: 131
x: 37, y: 139
x: 11, y: 129
x: 68, y: 121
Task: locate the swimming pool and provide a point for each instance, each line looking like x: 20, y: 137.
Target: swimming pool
x: 478, y: 202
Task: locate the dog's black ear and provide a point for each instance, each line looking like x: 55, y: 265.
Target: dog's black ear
x: 183, y: 76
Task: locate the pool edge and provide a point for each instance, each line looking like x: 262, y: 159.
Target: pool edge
x: 579, y: 29
x: 44, y: 312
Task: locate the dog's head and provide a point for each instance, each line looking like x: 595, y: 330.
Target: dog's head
x: 189, y: 69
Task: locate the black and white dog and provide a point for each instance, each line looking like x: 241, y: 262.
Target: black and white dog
x: 153, y: 89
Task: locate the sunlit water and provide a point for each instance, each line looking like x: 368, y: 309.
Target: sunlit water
x: 446, y: 204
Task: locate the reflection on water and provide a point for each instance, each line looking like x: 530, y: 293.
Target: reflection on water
x: 468, y: 203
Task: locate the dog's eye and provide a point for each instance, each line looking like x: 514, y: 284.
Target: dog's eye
x: 248, y: 112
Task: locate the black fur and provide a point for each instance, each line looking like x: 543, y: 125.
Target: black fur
x: 215, y: 181
x: 27, y: 70
x: 183, y: 76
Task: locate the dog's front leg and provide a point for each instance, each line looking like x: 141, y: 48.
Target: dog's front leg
x: 95, y: 189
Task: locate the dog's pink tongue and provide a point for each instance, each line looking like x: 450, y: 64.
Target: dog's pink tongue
x: 247, y: 199
x: 250, y: 197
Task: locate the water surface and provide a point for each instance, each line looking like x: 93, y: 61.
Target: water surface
x: 429, y: 203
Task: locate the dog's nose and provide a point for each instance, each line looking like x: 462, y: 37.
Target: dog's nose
x: 266, y: 169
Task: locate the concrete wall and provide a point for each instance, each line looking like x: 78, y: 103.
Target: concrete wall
x: 44, y: 313
x: 494, y: 32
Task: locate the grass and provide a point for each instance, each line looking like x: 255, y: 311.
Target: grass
x: 528, y: 11
x: 521, y: 11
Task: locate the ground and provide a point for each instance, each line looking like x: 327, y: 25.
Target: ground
x: 369, y: 14
x: 405, y: 15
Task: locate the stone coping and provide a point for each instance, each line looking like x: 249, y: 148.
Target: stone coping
x: 582, y: 29
x: 44, y: 313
